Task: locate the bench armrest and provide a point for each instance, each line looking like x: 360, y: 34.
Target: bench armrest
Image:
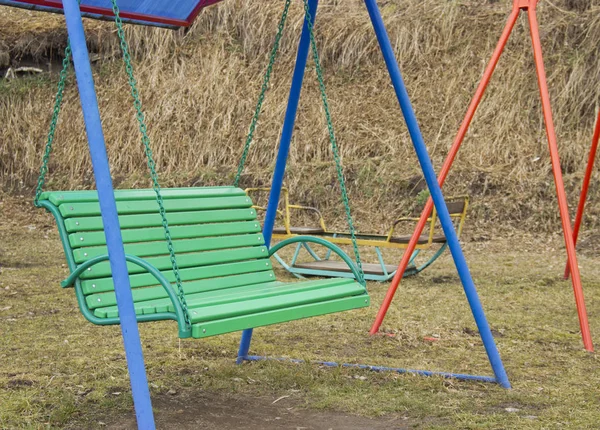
x: 264, y: 209
x: 311, y: 209
x: 458, y: 215
x: 184, y: 330
x: 357, y: 275
x: 408, y: 219
x: 430, y: 220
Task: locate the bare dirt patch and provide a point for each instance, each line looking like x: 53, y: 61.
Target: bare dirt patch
x: 261, y: 413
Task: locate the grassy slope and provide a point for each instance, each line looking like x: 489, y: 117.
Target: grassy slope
x: 60, y: 371
x: 199, y: 90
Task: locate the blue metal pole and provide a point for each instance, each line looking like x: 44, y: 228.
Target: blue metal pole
x: 436, y: 194
x: 400, y: 370
x: 284, y: 148
x: 108, y: 208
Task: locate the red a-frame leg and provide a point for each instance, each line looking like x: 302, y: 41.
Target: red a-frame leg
x: 584, y: 188
x: 558, y: 179
x: 528, y: 6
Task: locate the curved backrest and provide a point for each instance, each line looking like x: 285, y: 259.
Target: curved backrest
x: 215, y: 235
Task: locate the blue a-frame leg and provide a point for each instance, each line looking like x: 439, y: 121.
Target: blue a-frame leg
x: 419, y: 144
x: 284, y: 148
x: 436, y: 194
x: 110, y: 220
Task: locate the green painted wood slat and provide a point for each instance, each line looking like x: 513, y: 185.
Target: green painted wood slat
x: 260, y: 319
x: 187, y: 274
x: 94, y: 223
x: 103, y: 300
x: 148, y: 307
x: 181, y: 246
x: 125, y: 207
x: 237, y: 308
x: 78, y: 196
x: 145, y: 234
x: 185, y: 260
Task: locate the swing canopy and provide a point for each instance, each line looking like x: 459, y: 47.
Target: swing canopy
x: 161, y: 13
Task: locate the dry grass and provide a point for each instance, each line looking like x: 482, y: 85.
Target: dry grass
x: 199, y: 88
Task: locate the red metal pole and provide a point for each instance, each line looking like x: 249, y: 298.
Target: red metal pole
x: 558, y: 180
x: 584, y: 189
x: 512, y: 19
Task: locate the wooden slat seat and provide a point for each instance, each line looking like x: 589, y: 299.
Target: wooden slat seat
x: 340, y: 266
x: 300, y: 230
x: 225, y: 267
x: 316, y: 231
x: 437, y: 238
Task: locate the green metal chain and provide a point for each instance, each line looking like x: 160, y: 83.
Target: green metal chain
x: 332, y: 140
x: 263, y: 90
x: 148, y: 151
x: 58, y: 99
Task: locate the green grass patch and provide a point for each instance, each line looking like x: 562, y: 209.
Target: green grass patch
x: 59, y: 371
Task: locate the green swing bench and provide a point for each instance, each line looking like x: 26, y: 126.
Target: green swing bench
x: 208, y: 267
x: 226, y: 273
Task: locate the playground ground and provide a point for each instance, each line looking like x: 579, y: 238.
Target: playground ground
x: 58, y: 371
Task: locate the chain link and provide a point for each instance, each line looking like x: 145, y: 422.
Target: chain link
x: 148, y: 151
x: 58, y: 99
x: 263, y: 90
x: 332, y: 140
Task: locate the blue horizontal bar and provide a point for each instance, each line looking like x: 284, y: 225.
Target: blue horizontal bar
x: 381, y: 369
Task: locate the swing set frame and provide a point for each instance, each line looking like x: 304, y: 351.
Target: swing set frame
x: 110, y: 220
